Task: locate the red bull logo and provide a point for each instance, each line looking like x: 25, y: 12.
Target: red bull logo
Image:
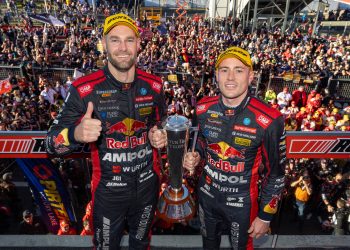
x: 271, y: 207
x: 59, y: 140
x: 226, y: 166
x: 127, y: 127
x: 130, y: 142
x: 225, y: 151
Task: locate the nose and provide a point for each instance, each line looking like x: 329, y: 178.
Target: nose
x: 231, y: 75
x: 123, y: 46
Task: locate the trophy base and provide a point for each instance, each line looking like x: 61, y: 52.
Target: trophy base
x: 176, y: 205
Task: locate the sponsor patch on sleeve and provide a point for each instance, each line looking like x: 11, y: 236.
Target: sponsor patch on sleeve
x: 272, y: 206
x: 61, y: 138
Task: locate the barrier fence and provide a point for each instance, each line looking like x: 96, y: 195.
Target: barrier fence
x: 339, y: 87
x: 52, y: 74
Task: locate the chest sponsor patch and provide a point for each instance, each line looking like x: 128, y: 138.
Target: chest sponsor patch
x: 245, y: 129
x: 242, y: 141
x: 214, y: 121
x: 147, y: 98
x: 145, y: 111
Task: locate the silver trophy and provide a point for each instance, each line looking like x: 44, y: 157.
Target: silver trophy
x: 175, y: 203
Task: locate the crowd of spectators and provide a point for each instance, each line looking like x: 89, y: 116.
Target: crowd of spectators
x: 188, y: 47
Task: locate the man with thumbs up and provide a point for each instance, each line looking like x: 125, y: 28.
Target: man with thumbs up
x: 114, y: 109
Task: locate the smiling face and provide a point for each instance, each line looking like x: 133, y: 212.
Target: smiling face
x: 121, y: 44
x: 233, y: 78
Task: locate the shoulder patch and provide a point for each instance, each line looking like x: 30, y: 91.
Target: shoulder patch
x: 204, y: 104
x: 148, y: 75
x: 87, y: 87
x: 265, y: 108
x: 91, y: 77
x: 154, y: 81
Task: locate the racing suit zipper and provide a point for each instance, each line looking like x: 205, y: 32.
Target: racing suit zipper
x: 132, y: 115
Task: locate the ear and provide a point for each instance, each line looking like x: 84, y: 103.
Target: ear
x: 104, y: 42
x: 251, y: 76
x: 138, y: 43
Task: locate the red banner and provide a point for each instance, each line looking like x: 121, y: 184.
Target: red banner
x: 30, y: 145
x: 318, y: 145
x: 299, y: 145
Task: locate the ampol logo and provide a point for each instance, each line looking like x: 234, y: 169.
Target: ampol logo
x: 127, y: 127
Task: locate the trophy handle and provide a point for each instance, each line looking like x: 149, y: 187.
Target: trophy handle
x: 195, y: 131
x: 161, y: 165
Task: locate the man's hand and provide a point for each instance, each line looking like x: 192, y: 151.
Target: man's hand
x: 157, y: 137
x: 89, y: 129
x: 191, y: 160
x: 258, y: 228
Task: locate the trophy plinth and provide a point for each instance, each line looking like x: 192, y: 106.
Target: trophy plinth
x: 175, y: 203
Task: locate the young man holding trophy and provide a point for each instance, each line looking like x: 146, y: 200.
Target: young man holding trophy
x: 244, y: 149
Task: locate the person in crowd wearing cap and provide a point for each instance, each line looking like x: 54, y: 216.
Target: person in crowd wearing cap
x: 114, y: 109
x: 31, y: 224
x: 66, y: 229
x: 238, y: 132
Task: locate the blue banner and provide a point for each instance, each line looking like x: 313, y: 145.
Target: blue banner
x: 49, y: 192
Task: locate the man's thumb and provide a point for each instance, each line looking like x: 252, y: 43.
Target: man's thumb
x: 89, y: 111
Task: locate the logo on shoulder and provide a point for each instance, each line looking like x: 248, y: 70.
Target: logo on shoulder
x: 85, y: 89
x: 200, y: 107
x: 157, y: 86
x: 263, y: 121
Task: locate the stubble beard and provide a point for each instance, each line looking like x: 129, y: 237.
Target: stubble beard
x: 121, y: 66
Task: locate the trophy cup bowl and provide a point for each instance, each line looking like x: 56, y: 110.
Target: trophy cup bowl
x: 175, y: 203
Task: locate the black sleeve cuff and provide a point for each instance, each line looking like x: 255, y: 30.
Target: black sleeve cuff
x: 71, y: 135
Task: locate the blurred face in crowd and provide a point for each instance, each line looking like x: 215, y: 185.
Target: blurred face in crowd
x: 121, y: 44
x: 233, y: 78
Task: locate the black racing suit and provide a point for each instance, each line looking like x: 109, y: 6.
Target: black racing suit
x: 235, y: 142
x: 124, y: 181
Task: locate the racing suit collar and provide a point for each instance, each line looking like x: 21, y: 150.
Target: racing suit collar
x: 229, y: 111
x: 120, y: 85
